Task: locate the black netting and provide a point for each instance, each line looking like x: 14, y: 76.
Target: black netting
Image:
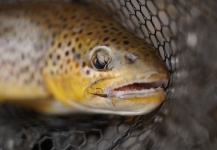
x: 183, y: 33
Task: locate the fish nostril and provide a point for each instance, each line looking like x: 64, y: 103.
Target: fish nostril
x: 131, y: 58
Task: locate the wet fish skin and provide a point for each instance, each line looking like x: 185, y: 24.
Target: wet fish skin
x: 46, y: 61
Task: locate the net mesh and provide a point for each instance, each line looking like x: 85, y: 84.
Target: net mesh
x: 183, y: 34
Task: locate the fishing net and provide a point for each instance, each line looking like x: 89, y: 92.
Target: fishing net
x: 183, y: 32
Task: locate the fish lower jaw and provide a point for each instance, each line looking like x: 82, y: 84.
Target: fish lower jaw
x: 135, y: 93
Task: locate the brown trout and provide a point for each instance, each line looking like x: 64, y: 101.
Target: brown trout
x: 60, y: 58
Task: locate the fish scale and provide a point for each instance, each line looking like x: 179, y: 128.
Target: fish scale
x: 48, y: 61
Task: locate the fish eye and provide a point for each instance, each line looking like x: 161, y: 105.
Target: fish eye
x: 101, y: 58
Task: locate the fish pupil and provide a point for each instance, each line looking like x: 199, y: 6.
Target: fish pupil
x: 99, y: 64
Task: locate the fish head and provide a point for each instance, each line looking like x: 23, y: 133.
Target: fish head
x: 128, y: 78
x: 103, y: 68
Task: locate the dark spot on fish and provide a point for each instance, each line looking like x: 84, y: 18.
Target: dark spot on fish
x: 64, y: 26
x: 60, y: 16
x: 54, y: 63
x: 73, y: 17
x: 86, y: 17
x: 105, y: 39
x: 66, y: 53
x: 80, y: 31
x: 103, y: 27
x: 83, y: 64
x: 77, y: 39
x: 22, y: 56
x: 113, y: 28
x: 69, y: 43
x: 76, y: 57
x: 65, y: 36
x: 73, y: 33
x: 58, y: 57
x: 73, y: 50
x: 147, y: 55
x: 59, y: 45
x: 113, y: 40
x: 46, y: 63
x: 71, y: 27
x: 89, y: 33
x: 83, y: 23
x: 88, y: 72
x: 19, y: 40
x: 54, y: 34
x: 50, y: 26
x: 126, y: 42
x: 61, y: 66
x: 63, y: 19
x: 26, y: 81
x: 56, y: 13
x: 51, y: 72
x: 76, y: 65
x: 105, y: 31
x: 52, y: 43
x: 79, y: 46
x: 31, y: 76
x: 39, y: 82
x: 24, y: 69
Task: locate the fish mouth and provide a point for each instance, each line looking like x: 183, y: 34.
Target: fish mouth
x: 139, y: 86
x: 135, y: 89
x: 144, y: 87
